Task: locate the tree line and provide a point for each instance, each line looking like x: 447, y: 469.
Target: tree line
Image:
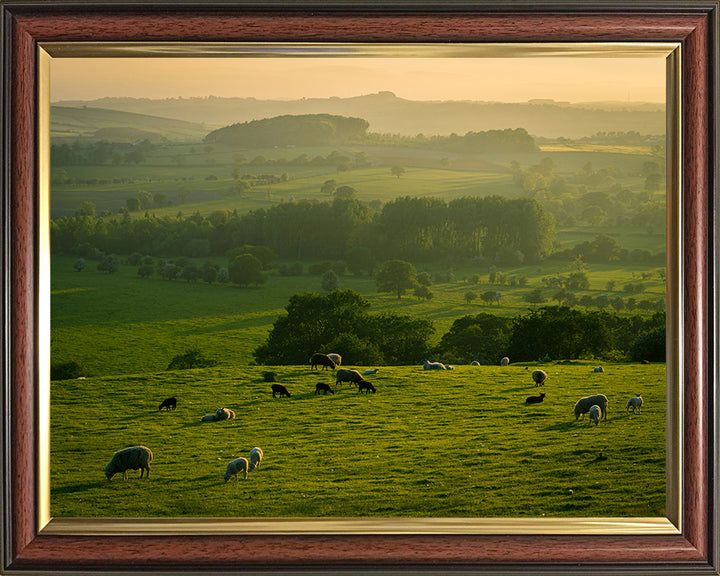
x: 340, y: 322
x: 419, y: 229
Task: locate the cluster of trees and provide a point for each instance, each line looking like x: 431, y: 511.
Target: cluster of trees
x: 340, y: 322
x: 508, y: 140
x: 604, y: 249
x: 98, y: 153
x: 419, y: 229
x: 288, y: 130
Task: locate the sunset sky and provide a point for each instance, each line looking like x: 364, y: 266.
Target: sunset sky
x: 515, y: 79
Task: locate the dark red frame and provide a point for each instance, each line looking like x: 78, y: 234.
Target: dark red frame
x: 694, y: 24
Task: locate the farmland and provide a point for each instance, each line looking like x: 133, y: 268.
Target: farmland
x: 459, y: 443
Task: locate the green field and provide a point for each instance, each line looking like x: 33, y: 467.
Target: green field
x: 457, y: 443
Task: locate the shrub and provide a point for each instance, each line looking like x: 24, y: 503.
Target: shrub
x: 67, y: 370
x: 191, y: 358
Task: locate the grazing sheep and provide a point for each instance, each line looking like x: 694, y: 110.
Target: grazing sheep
x: 366, y: 386
x: 220, y: 414
x: 594, y: 414
x: 324, y: 388
x: 535, y: 399
x: 321, y: 359
x: 369, y: 372
x: 449, y: 367
x: 433, y: 365
x: 635, y: 403
x: 237, y: 465
x: 584, y: 404
x: 598, y: 369
x: 256, y: 456
x: 504, y: 361
x: 474, y: 363
x: 335, y: 357
x: 168, y: 404
x: 129, y: 459
x: 347, y: 375
x: 539, y: 377
x: 280, y: 389
x: 645, y: 362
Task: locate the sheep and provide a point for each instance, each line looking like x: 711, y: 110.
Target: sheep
x: 635, y: 402
x: 220, y: 414
x: 370, y: 372
x: 583, y: 405
x: 594, y: 413
x: 347, y: 375
x: 433, y: 365
x: 323, y: 360
x: 237, y: 465
x: 129, y: 459
x: 449, y: 367
x: 324, y: 388
x: 335, y: 357
x: 256, y: 456
x: 504, y: 361
x: 366, y: 386
x: 281, y: 390
x: 535, y: 399
x: 168, y: 404
x: 539, y: 377
x: 474, y: 363
x: 598, y: 369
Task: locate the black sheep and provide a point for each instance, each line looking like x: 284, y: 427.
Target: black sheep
x: 168, y: 404
x: 323, y: 360
x: 366, y: 386
x: 535, y: 399
x: 280, y: 389
x: 324, y: 388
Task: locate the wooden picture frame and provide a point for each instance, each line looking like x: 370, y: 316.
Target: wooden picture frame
x: 28, y: 548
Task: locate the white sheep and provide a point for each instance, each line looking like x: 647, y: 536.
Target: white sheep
x: 369, y: 371
x: 504, y: 361
x: 433, y: 365
x: 474, y: 363
x: 584, y: 404
x: 539, y: 377
x: 594, y: 413
x: 635, y: 402
x: 237, y: 465
x: 335, y: 357
x: 129, y: 459
x: 220, y: 414
x: 256, y: 456
x: 598, y: 369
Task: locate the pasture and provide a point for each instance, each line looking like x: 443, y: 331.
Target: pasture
x: 458, y: 443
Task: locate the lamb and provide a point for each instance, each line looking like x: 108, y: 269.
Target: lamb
x: 504, y: 361
x: 129, y: 459
x: 594, y: 414
x: 347, y: 375
x: 323, y: 360
x: 598, y: 369
x: 256, y: 456
x: 168, y: 404
x: 369, y: 372
x: 237, y: 465
x: 220, y: 414
x: 449, y: 367
x: 539, y: 377
x: 584, y: 404
x: 635, y: 402
x: 324, y: 388
x: 335, y: 357
x: 535, y: 399
x: 281, y: 390
x: 433, y: 365
x: 366, y: 386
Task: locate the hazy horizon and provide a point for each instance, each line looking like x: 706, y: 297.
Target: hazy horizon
x: 575, y: 80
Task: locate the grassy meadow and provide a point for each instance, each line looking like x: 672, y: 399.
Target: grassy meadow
x: 458, y: 443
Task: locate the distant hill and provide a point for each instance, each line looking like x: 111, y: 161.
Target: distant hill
x: 387, y: 113
x: 91, y: 123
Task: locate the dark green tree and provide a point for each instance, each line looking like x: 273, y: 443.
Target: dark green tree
x: 246, y: 269
x: 395, y: 276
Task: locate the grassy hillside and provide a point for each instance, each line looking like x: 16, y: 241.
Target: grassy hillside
x: 459, y: 443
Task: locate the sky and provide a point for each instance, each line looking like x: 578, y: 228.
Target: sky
x: 514, y: 79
